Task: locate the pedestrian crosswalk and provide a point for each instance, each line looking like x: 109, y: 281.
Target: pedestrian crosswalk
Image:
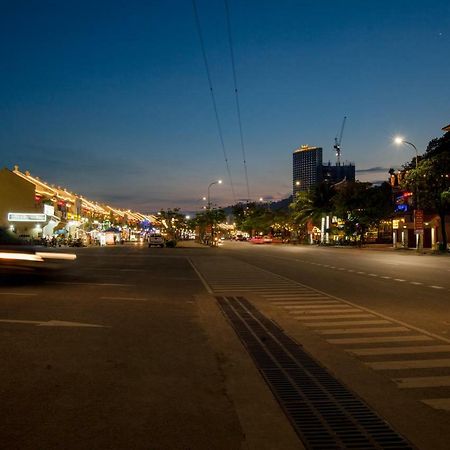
x: 383, y: 344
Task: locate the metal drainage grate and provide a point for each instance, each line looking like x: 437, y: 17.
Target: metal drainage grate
x: 324, y: 413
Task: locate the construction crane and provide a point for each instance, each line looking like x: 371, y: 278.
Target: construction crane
x: 337, y: 142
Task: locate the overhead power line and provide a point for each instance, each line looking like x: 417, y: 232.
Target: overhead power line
x: 236, y: 93
x: 213, y: 98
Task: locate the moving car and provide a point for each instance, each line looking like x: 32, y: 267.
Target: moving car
x: 17, y: 256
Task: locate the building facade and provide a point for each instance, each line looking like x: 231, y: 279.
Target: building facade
x: 338, y: 172
x: 34, y: 210
x: 307, y: 168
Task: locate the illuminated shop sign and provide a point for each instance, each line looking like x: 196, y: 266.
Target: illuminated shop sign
x: 26, y: 217
x: 49, y: 210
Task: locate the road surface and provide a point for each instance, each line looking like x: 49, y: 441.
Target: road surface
x: 128, y: 347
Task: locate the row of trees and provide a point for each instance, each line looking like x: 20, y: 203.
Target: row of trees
x: 359, y: 206
x: 431, y: 180
x: 176, y: 225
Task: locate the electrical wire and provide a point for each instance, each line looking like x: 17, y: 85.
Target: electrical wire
x: 213, y: 98
x: 238, y: 108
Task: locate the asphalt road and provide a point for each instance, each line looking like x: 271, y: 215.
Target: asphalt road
x: 126, y: 347
x: 123, y: 350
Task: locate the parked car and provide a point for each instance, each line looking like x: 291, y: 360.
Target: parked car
x: 261, y: 240
x: 257, y: 240
x: 155, y: 240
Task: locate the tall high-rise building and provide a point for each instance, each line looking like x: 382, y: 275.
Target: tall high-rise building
x: 309, y: 171
x: 307, y: 168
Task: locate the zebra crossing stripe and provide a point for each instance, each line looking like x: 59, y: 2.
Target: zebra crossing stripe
x: 313, y: 306
x: 364, y: 330
x: 334, y: 310
x: 335, y: 316
x: 438, y: 403
x: 306, y: 302
x: 410, y: 364
x: 369, y: 340
x: 400, y: 350
x: 294, y: 295
x: 347, y: 323
x: 422, y: 382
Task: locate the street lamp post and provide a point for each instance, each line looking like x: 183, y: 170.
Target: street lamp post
x: 209, y: 188
x: 399, y: 141
x: 209, y: 206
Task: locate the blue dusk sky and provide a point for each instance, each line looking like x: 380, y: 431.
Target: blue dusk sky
x: 111, y: 98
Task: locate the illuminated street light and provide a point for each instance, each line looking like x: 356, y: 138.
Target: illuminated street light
x: 399, y: 140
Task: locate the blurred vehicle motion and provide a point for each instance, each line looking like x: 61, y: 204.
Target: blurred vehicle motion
x: 17, y: 256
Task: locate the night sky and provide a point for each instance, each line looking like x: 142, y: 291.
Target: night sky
x: 111, y: 99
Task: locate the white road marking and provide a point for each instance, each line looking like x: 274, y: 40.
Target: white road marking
x: 302, y: 300
x: 333, y: 310
x: 410, y: 364
x: 200, y: 276
x: 364, y: 330
x: 292, y: 290
x: 24, y: 294
x: 438, y: 403
x: 436, y: 287
x: 275, y: 296
x: 334, y: 316
x: 306, y: 302
x: 53, y: 323
x: 417, y: 283
x: 369, y: 340
x: 360, y: 273
x: 373, y: 275
x: 125, y: 298
x: 386, y: 277
x: 75, y: 283
x: 347, y: 323
x: 112, y: 269
x: 314, y: 306
x: 422, y: 382
x: 399, y: 279
x: 132, y: 270
x: 400, y: 350
x: 235, y: 289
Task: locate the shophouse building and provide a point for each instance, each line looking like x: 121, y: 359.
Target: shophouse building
x: 20, y: 207
x: 34, y: 209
